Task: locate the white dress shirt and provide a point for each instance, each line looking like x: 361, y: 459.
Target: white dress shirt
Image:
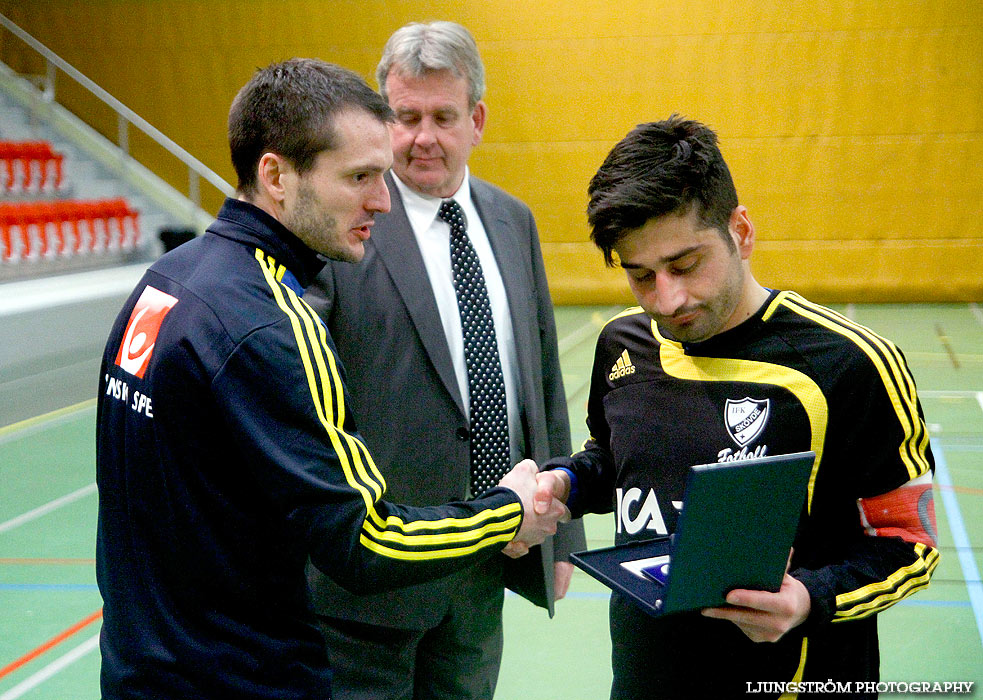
x: 433, y: 235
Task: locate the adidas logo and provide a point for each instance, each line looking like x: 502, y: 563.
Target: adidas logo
x: 622, y: 368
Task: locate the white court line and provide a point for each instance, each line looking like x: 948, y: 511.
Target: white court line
x: 975, y: 309
x: 950, y: 394
x: 59, y: 664
x: 960, y: 538
x: 591, y: 327
x: 47, y: 508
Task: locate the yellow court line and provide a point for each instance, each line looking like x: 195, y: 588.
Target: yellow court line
x: 45, y: 417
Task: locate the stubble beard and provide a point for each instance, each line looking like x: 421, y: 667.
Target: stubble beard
x: 316, y: 228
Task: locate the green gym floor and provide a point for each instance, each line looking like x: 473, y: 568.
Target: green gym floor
x: 50, y: 606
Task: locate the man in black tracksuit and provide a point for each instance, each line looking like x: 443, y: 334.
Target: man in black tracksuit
x: 713, y: 367
x: 226, y: 451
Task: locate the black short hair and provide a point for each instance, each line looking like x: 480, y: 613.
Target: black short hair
x: 288, y: 108
x: 660, y: 168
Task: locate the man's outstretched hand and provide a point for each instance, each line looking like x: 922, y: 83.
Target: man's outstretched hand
x: 542, y: 495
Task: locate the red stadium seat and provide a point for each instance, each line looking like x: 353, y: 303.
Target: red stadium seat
x: 10, y: 244
x: 122, y: 225
x: 30, y: 167
x: 45, y: 230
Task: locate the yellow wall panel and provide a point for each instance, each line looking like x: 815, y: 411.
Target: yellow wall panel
x: 859, y: 271
x: 750, y: 86
x: 580, y: 267
x: 529, y: 170
x: 854, y: 129
x: 873, y: 270
x: 600, y: 18
x: 893, y: 187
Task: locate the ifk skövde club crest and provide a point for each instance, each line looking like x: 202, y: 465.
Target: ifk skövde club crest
x: 746, y: 418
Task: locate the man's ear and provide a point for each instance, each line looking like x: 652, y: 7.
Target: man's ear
x: 742, y: 231
x: 479, y: 115
x: 273, y: 172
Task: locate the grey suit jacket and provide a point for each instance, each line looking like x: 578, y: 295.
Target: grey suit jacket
x: 383, y: 318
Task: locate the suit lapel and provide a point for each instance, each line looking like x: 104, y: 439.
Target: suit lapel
x: 399, y: 252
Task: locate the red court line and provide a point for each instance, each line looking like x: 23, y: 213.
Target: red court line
x: 962, y: 489
x: 54, y: 641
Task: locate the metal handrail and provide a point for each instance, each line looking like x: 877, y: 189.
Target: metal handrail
x: 125, y: 116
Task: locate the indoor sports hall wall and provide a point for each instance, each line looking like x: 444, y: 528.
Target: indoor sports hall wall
x: 854, y: 128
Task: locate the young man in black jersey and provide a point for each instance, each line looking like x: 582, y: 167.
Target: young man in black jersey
x: 674, y: 383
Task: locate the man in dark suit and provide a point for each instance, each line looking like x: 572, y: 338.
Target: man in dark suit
x: 405, y: 333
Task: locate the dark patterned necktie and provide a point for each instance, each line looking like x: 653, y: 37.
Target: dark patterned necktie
x: 490, y: 458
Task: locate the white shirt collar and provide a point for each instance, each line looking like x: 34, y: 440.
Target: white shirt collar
x: 421, y: 209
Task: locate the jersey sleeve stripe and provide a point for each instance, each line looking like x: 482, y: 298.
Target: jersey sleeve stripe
x: 328, y: 403
x: 630, y: 311
x: 430, y: 554
x: 444, y: 538
x: 889, y: 351
x: 775, y: 304
x: 328, y: 371
x: 895, y: 378
x: 904, y: 402
x: 879, y: 596
x: 350, y: 451
x: 447, y: 523
x: 315, y: 382
x: 924, y: 554
x: 320, y: 345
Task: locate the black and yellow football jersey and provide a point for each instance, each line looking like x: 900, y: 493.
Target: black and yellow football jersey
x: 796, y: 376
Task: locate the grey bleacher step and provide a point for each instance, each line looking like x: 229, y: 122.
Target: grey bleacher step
x: 87, y: 176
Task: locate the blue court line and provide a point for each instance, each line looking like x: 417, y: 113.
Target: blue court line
x: 921, y: 602
x: 959, y: 535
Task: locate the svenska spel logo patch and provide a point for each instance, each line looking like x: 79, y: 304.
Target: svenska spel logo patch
x: 142, y: 329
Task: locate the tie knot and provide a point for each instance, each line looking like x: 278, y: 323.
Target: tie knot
x: 451, y: 212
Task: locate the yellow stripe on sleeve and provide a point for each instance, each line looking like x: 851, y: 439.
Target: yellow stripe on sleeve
x: 434, y: 553
x: 332, y: 427
x: 881, y: 595
x: 356, y: 463
x: 444, y: 538
x: 895, y: 378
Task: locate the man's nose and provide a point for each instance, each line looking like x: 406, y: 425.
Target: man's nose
x: 425, y: 134
x: 670, y: 294
x: 379, y: 201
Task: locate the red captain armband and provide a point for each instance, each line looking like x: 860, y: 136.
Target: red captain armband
x: 907, y: 512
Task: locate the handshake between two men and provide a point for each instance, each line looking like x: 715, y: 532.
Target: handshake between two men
x: 543, y: 496
x: 762, y: 616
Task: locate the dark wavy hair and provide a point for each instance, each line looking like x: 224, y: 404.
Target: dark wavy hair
x: 288, y: 108
x: 659, y: 169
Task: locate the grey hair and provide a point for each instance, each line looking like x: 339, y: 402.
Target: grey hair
x: 417, y: 48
